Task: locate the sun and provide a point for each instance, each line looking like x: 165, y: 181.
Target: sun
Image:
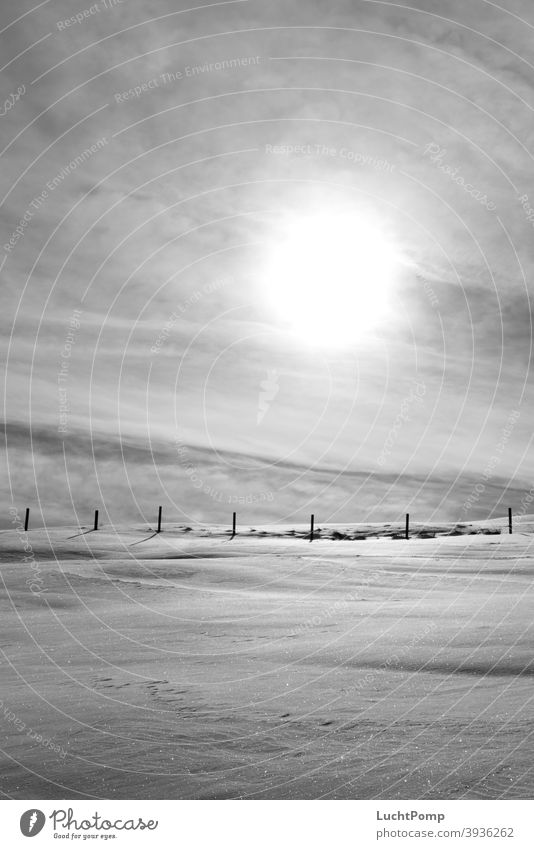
x: 329, y: 276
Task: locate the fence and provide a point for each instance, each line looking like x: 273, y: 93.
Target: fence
x: 234, y: 523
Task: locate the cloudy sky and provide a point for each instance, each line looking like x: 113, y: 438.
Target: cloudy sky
x: 155, y: 158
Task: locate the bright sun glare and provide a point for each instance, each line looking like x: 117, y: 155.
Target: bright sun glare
x: 329, y: 277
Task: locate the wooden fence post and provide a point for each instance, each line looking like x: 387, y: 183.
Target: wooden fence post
x: 234, y: 524
x: 95, y: 526
x: 509, y: 520
x: 407, y: 534
x: 159, y: 519
x: 312, y: 522
x: 27, y: 519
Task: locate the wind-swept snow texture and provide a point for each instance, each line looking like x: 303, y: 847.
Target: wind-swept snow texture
x: 188, y: 665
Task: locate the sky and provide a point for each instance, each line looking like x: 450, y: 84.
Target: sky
x: 155, y: 161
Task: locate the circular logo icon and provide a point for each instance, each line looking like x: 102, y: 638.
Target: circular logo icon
x: 32, y: 822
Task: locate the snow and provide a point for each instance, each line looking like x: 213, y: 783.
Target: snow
x: 191, y: 665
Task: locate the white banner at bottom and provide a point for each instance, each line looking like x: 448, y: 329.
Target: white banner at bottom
x: 264, y: 824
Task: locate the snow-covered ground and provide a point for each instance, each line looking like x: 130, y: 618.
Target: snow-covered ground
x: 190, y: 665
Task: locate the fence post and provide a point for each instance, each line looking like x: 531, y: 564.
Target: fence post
x: 509, y: 520
x: 27, y: 519
x: 159, y: 519
x: 312, y: 522
x: 407, y: 533
x: 95, y: 526
x: 234, y: 524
